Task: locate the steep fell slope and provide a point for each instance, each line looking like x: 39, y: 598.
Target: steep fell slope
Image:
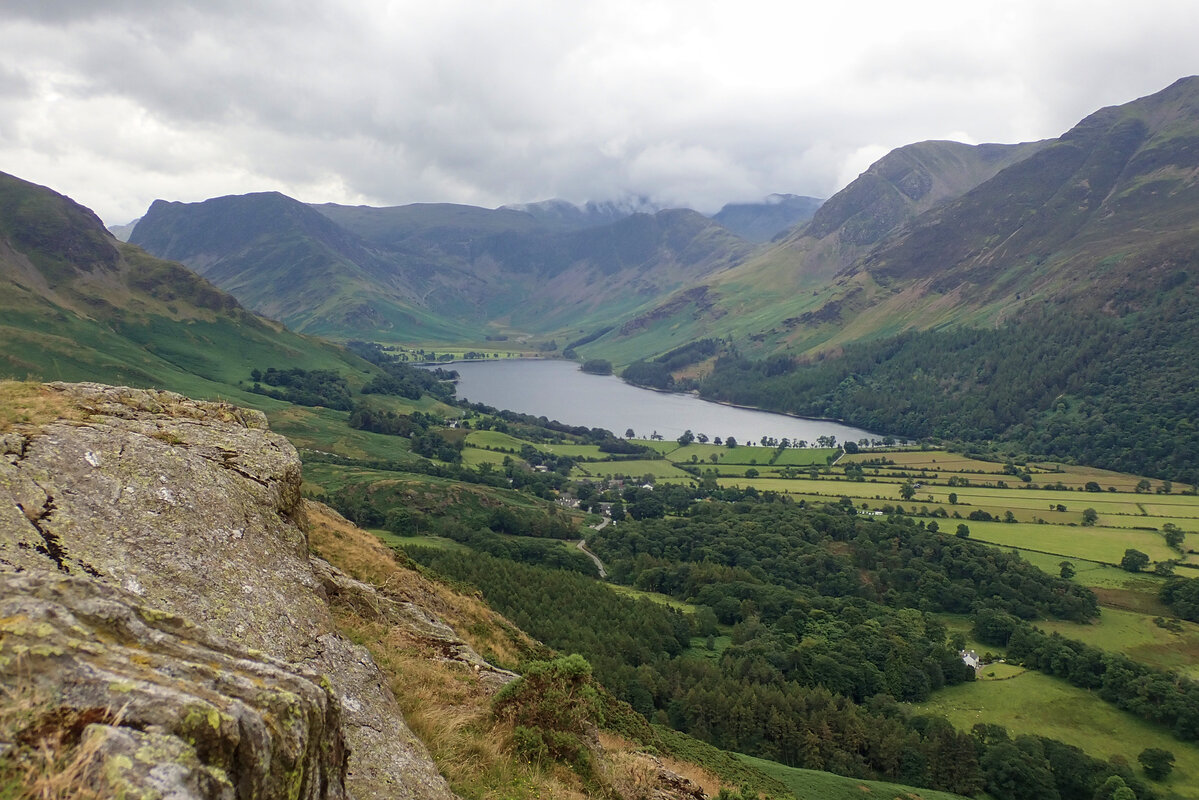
x: 1104, y: 212
x: 789, y: 295
x: 1052, y: 307
x: 290, y: 262
x: 76, y: 304
x: 431, y: 272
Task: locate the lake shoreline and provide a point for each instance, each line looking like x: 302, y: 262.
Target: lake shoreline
x: 557, y: 388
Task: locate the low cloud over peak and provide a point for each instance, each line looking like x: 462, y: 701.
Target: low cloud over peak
x: 696, y: 104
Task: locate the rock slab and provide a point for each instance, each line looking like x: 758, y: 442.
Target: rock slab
x: 193, y: 508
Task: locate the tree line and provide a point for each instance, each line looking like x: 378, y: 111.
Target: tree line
x: 829, y: 628
x: 1057, y: 383
x: 767, y: 694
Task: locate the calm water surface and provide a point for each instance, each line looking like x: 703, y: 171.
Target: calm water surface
x: 560, y: 390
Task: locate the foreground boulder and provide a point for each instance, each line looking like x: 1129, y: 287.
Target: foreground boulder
x: 161, y: 707
x: 140, y: 502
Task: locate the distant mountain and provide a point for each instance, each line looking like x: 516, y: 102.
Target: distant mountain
x: 123, y: 232
x: 1104, y: 214
x: 563, y: 214
x: 787, y: 295
x: 392, y: 226
x: 76, y: 304
x: 290, y: 262
x: 1103, y: 217
x: 895, y: 190
x: 1053, y: 307
x: 761, y: 222
x: 433, y: 272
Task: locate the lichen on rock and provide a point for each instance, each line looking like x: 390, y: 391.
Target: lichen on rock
x: 172, y: 509
x: 175, y: 711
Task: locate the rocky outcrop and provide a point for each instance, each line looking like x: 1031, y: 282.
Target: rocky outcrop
x: 415, y: 623
x: 154, y: 503
x: 164, y: 708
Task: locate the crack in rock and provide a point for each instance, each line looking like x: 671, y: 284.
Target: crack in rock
x: 52, y: 547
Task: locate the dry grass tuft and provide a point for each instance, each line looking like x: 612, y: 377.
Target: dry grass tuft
x: 45, y: 753
x: 447, y: 706
x: 634, y: 773
x: 26, y: 403
x: 364, y: 557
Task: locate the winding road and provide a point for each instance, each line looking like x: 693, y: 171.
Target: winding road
x: 582, y: 545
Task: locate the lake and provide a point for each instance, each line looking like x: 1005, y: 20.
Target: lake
x: 559, y: 390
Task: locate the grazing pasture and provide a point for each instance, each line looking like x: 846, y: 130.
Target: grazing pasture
x: 1091, y: 543
x: 808, y: 783
x: 494, y: 440
x: 1037, y: 704
x: 638, y: 469
x: 1173, y: 646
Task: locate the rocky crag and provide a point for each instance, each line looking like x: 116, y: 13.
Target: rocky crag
x: 159, y: 601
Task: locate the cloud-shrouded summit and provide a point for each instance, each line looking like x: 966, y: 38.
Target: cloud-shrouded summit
x: 688, y: 103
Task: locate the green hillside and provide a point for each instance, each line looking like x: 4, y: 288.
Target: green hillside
x: 790, y: 295
x: 435, y: 273
x: 287, y: 261
x: 1051, y: 307
x: 76, y: 304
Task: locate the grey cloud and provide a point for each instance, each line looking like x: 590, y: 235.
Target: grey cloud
x: 59, y: 12
x: 489, y: 103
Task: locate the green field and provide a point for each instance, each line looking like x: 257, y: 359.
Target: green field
x: 999, y: 671
x: 473, y: 456
x: 1138, y: 637
x: 808, y: 784
x: 828, y: 488
x: 806, y: 456
x: 332, y: 477
x: 699, y: 647
x: 1036, y: 704
x: 937, y: 460
x: 439, y: 542
x: 573, y: 450
x: 702, y: 452
x: 945, y: 464
x: 494, y: 440
x: 1125, y: 510
x: 1094, y: 574
x: 1090, y: 543
x: 326, y: 430
x: 638, y: 469
x: 657, y: 597
x: 738, y: 470
x: 665, y: 447
x: 750, y: 455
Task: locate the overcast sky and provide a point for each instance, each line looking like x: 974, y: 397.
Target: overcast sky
x: 119, y: 102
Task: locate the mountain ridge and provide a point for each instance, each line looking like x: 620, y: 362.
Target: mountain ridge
x: 434, y: 271
x: 77, y: 304
x: 764, y: 220
x: 940, y: 233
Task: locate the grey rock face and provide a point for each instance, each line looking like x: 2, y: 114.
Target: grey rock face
x: 194, y: 508
x: 171, y: 710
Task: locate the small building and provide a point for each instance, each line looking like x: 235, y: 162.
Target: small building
x: 970, y: 658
